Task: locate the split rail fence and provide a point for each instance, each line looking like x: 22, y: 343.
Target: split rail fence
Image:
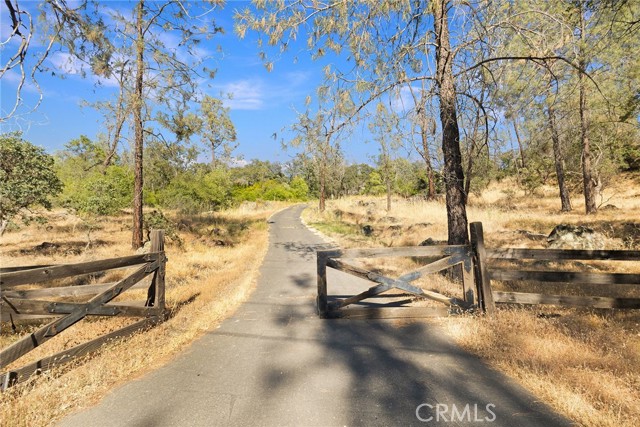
x: 20, y: 304
x: 477, y: 273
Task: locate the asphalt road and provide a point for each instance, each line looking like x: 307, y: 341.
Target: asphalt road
x: 275, y: 363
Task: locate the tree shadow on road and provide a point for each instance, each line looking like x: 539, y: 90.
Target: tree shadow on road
x: 386, y: 370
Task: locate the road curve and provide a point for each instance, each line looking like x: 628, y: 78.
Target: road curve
x: 275, y: 363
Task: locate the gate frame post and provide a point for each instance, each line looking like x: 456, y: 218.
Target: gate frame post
x: 482, y: 279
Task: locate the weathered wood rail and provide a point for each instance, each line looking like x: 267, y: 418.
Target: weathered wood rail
x: 477, y: 274
x: 17, y: 304
x: 608, y: 281
x: 450, y: 256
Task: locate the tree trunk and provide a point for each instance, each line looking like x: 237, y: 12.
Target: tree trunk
x: 431, y: 192
x: 388, y: 194
x: 453, y: 174
x: 321, y: 205
x: 590, y: 191
x: 136, y: 241
x: 515, y: 128
x: 558, y: 157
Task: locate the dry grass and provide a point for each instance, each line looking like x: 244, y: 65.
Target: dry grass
x: 205, y: 283
x: 585, y: 363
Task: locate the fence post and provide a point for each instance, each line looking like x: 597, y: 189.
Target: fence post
x: 321, y: 258
x: 483, y: 282
x: 156, y: 293
x: 467, y: 279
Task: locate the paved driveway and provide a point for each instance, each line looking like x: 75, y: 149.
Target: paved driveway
x: 275, y: 363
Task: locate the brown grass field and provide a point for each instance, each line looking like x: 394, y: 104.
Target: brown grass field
x: 205, y: 283
x: 584, y: 362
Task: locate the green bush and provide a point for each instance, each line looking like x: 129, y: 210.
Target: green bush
x: 100, y: 193
x: 192, y: 192
x: 27, y: 177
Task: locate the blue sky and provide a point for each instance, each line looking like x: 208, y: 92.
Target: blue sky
x: 263, y: 102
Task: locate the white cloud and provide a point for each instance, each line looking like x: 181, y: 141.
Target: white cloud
x: 245, y: 95
x: 14, y: 77
x: 67, y: 63
x: 403, y: 101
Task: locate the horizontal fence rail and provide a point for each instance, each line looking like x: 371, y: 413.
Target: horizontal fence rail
x: 27, y: 303
x: 477, y: 274
x: 450, y: 256
x: 555, y: 275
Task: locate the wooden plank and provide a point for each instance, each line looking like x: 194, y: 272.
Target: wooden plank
x: 563, y: 254
x: 390, y: 313
x: 64, y: 291
x: 156, y: 292
x: 321, y: 269
x: 28, y: 343
x: 378, y: 278
x: 433, y: 267
x: 37, y: 307
x: 482, y: 278
x: 407, y: 251
x: 576, y: 301
x: 44, y: 274
x: 468, y: 283
x: 566, y: 277
x: 65, y: 356
x: 4, y: 270
x: 373, y: 291
x: 6, y: 316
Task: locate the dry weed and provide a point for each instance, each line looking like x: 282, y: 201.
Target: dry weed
x: 205, y: 284
x: 584, y: 363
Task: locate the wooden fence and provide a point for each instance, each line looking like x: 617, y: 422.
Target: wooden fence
x: 449, y: 256
x: 608, y: 281
x: 476, y: 278
x: 16, y: 304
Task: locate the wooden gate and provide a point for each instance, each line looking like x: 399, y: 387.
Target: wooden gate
x: 27, y: 303
x: 449, y: 256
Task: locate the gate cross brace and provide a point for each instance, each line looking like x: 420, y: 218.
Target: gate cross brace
x: 402, y: 283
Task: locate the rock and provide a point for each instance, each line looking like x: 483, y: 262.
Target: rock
x: 566, y: 236
x: 432, y: 242
x: 367, y: 230
x: 631, y: 234
x: 531, y: 236
x: 390, y: 219
x: 610, y: 208
x: 46, y: 245
x: 145, y: 249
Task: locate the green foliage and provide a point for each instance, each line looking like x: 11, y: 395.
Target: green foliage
x: 27, y: 176
x: 156, y: 220
x: 272, y: 190
x: 257, y: 171
x: 354, y: 180
x: 218, y: 131
x: 89, y: 187
x: 374, y: 186
x: 97, y: 193
x: 299, y: 189
x: 198, y: 191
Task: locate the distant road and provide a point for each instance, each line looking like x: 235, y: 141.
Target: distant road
x: 275, y: 363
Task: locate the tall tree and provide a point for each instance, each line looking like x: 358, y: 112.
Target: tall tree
x: 385, y: 130
x: 389, y: 45
x: 217, y: 130
x: 320, y: 133
x: 154, y: 56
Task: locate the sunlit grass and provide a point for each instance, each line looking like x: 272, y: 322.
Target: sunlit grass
x: 585, y: 363
x: 205, y: 283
